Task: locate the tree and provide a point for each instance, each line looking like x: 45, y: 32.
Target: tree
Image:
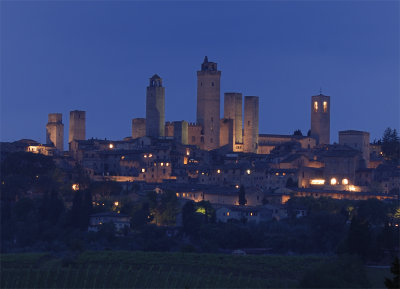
x: 395, y: 282
x: 242, y: 196
x: 298, y: 132
x: 359, y: 237
x: 391, y: 145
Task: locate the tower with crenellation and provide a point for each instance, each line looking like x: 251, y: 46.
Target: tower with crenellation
x: 208, y: 104
x: 55, y: 131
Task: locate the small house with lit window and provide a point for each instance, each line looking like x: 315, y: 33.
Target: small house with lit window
x: 120, y: 221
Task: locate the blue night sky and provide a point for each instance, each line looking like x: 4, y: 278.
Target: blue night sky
x: 98, y: 56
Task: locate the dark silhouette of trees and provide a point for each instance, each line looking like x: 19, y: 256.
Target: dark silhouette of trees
x: 391, y: 145
x: 298, y: 132
x: 395, y: 282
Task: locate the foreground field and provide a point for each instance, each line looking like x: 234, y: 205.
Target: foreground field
x: 119, y: 269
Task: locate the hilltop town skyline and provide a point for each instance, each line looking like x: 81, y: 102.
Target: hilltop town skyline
x: 102, y: 65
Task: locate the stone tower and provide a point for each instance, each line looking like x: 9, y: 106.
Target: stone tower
x: 320, y: 118
x: 138, y: 127
x: 55, y: 131
x: 250, y: 131
x: 155, y: 107
x: 208, y: 103
x: 233, y: 110
x: 77, y: 125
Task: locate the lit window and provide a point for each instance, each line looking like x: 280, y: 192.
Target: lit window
x: 123, y: 157
x: 333, y: 181
x: 145, y: 156
x: 111, y: 146
x: 162, y: 164
x: 317, y: 182
x: 75, y: 187
x: 345, y: 181
x: 177, y: 194
x: 116, y: 203
x: 276, y: 174
x: 237, y: 186
x: 227, y: 214
x: 167, y: 164
x: 248, y: 172
x: 218, y: 171
x: 315, y: 106
x: 143, y: 170
x: 150, y: 155
x: 325, y: 106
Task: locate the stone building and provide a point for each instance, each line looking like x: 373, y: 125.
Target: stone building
x: 138, y: 127
x: 77, y: 125
x: 320, y: 118
x: 208, y: 103
x: 55, y: 131
x: 155, y: 107
x: 250, y: 130
x: 358, y: 140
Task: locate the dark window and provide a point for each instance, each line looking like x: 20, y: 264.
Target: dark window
x: 212, y: 83
x: 193, y: 138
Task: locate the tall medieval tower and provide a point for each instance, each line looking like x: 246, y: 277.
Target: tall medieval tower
x: 55, y: 131
x: 208, y: 103
x: 250, y: 131
x: 77, y: 125
x: 233, y: 110
x: 155, y: 107
x: 320, y: 118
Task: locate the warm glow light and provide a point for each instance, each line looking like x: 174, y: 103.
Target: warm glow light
x: 315, y: 106
x: 150, y: 155
x: 276, y: 174
x: 227, y: 214
x: 352, y: 188
x: 167, y: 164
x: 251, y: 214
x: 325, y: 106
x: 283, y: 174
x: 116, y: 203
x: 237, y: 186
x: 202, y: 173
x: 218, y: 171
x: 345, y: 182
x: 248, y: 172
x: 187, y: 152
x: 143, y: 170
x: 162, y: 164
x: 75, y: 187
x: 333, y: 181
x: 177, y: 194
x: 123, y: 157
x: 317, y: 182
x: 145, y: 156
x: 111, y: 146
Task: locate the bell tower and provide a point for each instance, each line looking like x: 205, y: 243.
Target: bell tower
x: 155, y: 107
x: 320, y: 118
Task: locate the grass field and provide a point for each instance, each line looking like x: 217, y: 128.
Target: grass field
x: 120, y: 269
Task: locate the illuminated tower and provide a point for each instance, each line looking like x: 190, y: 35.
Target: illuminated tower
x: 155, y: 107
x: 233, y: 110
x: 55, y: 131
x: 320, y: 118
x: 250, y: 131
x: 77, y: 125
x: 208, y: 103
